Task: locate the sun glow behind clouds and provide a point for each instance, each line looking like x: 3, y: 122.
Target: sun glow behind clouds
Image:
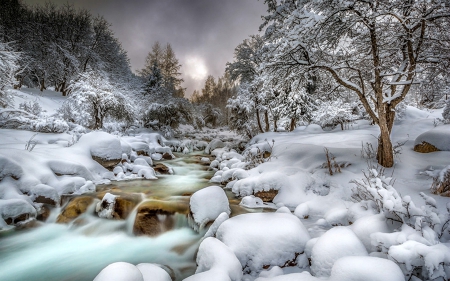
x: 195, y: 68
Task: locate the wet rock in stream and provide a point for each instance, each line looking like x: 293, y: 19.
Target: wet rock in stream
x: 155, y: 217
x: 75, y: 208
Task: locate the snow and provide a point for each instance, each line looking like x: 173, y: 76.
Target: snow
x: 102, y: 145
x: 207, y: 204
x: 365, y: 268
x: 13, y: 208
x: 105, y: 208
x: 439, y: 137
x: 216, y: 261
x: 120, y: 271
x: 153, y: 272
x: 336, y: 243
x: 261, y: 239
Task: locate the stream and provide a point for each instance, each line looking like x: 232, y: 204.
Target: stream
x: 80, y: 251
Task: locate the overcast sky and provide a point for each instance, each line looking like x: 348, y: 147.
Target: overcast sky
x: 203, y: 33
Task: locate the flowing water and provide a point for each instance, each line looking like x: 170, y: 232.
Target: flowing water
x: 80, y: 251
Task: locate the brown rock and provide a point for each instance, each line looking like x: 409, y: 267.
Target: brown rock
x: 266, y: 154
x: 161, y: 168
x: 45, y: 200
x: 155, y: 217
x: 425, y: 147
x: 142, y: 152
x: 74, y: 208
x: 107, y: 163
x: 167, y: 156
x: 21, y: 217
x: 267, y: 196
x: 43, y: 213
x: 124, y: 206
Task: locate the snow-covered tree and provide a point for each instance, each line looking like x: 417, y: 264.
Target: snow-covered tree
x: 373, y: 49
x: 94, y: 98
x: 330, y: 114
x: 9, y: 65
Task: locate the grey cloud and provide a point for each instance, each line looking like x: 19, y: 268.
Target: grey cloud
x: 209, y: 29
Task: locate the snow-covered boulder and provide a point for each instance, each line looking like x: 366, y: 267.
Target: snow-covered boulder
x: 215, y: 143
x: 120, y: 271
x: 365, y: 226
x: 15, y: 210
x: 153, y: 272
x: 365, y: 268
x: 436, y: 139
x: 252, y: 201
x: 206, y: 205
x: 105, y: 208
x: 336, y: 243
x: 265, y: 239
x: 106, y: 149
x: 213, y: 228
x: 304, y: 276
x: 216, y: 262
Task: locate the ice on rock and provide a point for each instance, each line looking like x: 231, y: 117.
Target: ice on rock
x: 120, y: 271
x: 105, y: 208
x: 207, y: 204
x: 334, y: 244
x: 365, y: 268
x: 153, y: 272
x: 216, y: 262
x: 260, y: 239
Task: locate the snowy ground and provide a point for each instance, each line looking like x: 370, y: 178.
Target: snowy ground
x: 318, y: 230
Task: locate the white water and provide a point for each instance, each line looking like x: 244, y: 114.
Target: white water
x: 79, y: 252
x: 63, y: 252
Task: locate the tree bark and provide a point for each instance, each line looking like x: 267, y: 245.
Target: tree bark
x: 266, y: 120
x: 259, y: 121
x: 292, y: 125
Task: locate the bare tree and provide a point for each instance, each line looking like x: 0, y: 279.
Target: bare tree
x: 375, y: 50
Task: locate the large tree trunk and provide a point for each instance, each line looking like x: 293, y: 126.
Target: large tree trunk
x: 275, y: 125
x: 385, y: 153
x: 292, y: 125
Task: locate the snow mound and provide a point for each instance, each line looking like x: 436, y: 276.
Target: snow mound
x: 365, y: 226
x: 252, y: 201
x: 215, y: 143
x: 9, y: 168
x: 438, y: 137
x: 336, y: 243
x: 216, y: 262
x: 213, y: 228
x: 365, y: 268
x: 262, y: 239
x: 14, y: 208
x: 120, y: 271
x: 207, y: 204
x: 102, y: 145
x: 304, y: 276
x: 153, y: 272
x: 264, y: 182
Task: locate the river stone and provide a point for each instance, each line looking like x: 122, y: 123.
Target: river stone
x: 425, y: 147
x: 155, y: 217
x: 162, y: 169
x: 167, y: 156
x: 45, y: 200
x: 74, y: 208
x: 266, y: 196
x: 43, y: 213
x: 107, y: 163
x: 124, y: 203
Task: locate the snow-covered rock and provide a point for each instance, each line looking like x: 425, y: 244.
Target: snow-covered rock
x: 153, y: 272
x: 251, y: 201
x: 215, y: 143
x: 438, y: 137
x: 15, y: 208
x: 365, y: 268
x: 105, y: 208
x: 365, y: 226
x: 216, y: 262
x: 207, y: 204
x: 105, y: 148
x: 336, y: 243
x: 213, y: 228
x: 120, y: 271
x: 260, y: 239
